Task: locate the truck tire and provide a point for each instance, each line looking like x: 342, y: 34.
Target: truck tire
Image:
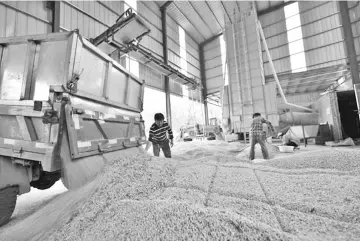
x: 42, y: 185
x: 8, y: 196
x: 46, y: 180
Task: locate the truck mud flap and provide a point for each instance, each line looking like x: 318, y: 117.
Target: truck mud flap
x: 91, y: 132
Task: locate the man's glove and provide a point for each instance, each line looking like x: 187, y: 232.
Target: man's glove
x: 279, y: 135
x: 171, y: 143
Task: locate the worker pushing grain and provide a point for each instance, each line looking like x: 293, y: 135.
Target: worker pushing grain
x: 258, y: 135
x: 158, y: 136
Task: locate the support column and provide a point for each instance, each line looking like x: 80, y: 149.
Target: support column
x: 56, y: 16
x: 163, y: 10
x: 349, y: 41
x: 203, y: 79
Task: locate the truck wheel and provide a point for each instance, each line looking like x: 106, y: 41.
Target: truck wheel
x: 46, y: 180
x: 8, y: 196
x: 42, y: 185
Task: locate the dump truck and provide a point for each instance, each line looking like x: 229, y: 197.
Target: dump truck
x: 61, y: 100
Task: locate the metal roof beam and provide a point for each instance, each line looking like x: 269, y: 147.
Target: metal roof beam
x: 165, y: 5
x: 210, y: 39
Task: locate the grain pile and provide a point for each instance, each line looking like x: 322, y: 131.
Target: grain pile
x: 207, y: 194
x: 342, y: 159
x: 272, y: 152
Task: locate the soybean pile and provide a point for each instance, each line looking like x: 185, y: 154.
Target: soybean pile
x: 208, y: 192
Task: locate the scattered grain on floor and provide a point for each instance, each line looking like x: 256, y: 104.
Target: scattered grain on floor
x: 336, y: 197
x: 342, y: 159
x: 238, y: 182
x: 197, y: 177
x: 256, y: 211
x: 316, y: 228
x: 190, y: 196
x: 165, y: 220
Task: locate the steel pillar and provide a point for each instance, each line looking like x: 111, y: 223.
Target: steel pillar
x: 55, y: 9
x: 163, y: 10
x: 203, y: 79
x: 349, y: 41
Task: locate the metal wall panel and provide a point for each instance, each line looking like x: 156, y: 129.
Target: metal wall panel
x: 326, y: 38
x: 213, y: 63
x: 193, y: 61
x: 193, y: 70
x: 214, y: 72
x: 321, y: 25
x: 152, y: 78
x: 175, y: 87
x: 311, y: 5
x: 323, y: 41
x: 214, y: 84
x: 276, y: 41
x: 275, y: 31
x: 212, y: 45
x: 213, y: 66
x: 212, y: 52
x: 321, y: 29
x: 192, y: 51
x: 174, y: 58
x: 325, y: 54
x: 272, y: 17
x: 282, y: 65
x: 309, y: 12
x: 91, y: 18
x: 19, y: 18
x: 117, y: 6
x: 277, y: 53
x: 152, y: 16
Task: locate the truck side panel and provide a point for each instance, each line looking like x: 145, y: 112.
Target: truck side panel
x: 38, y: 74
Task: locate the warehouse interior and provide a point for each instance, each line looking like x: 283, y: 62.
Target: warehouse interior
x: 81, y: 82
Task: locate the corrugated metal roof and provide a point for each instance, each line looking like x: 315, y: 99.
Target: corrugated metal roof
x: 194, y: 18
x: 182, y: 20
x: 207, y: 16
x: 204, y: 19
x: 217, y: 10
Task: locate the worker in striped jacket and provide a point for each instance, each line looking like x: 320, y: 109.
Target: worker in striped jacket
x: 158, y: 136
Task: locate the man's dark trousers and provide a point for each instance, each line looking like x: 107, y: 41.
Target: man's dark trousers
x: 165, y: 148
